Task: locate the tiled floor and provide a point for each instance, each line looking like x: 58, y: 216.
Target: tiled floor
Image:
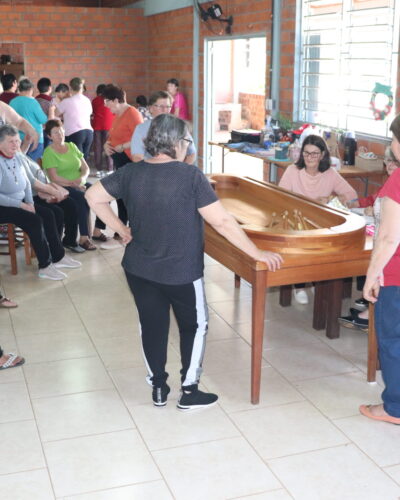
x: 77, y: 420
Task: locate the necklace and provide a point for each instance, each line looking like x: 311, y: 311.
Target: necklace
x: 11, y: 168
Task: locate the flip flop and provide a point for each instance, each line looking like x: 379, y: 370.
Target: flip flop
x: 366, y: 411
x: 3, y: 304
x: 10, y: 361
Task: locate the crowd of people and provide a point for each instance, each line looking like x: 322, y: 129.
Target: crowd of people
x: 45, y: 144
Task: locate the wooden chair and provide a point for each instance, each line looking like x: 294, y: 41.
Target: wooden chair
x: 14, y: 238
x: 373, y: 362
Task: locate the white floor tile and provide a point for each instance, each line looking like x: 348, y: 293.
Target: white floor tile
x: 226, y: 355
x: 93, y: 463
x: 14, y: 402
x: 353, y: 388
x: 34, y: 484
x: 167, y: 427
x: 66, y: 377
x: 394, y: 472
x: 81, y: 414
x: 378, y: 440
x: 21, y: 447
x: 308, y: 361
x: 156, y: 490
x: 342, y: 472
x: 233, y: 389
x: 271, y: 430
x: 217, y: 470
x: 269, y: 495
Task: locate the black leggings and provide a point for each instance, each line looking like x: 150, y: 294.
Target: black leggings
x: 153, y: 301
x: 83, y: 210
x: 83, y: 140
x: 46, y: 249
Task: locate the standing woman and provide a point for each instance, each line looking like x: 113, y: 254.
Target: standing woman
x: 75, y: 112
x: 102, y: 119
x: 382, y: 286
x: 179, y: 105
x: 118, y: 145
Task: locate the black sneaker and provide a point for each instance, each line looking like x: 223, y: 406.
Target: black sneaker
x: 192, y: 399
x: 354, y: 321
x: 361, y: 304
x: 160, y: 395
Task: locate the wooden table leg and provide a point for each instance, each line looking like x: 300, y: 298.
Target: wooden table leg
x: 285, y: 295
x: 257, y: 332
x: 372, y: 346
x: 334, y: 307
x: 237, y: 281
x: 320, y: 306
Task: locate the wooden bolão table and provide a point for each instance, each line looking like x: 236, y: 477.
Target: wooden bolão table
x: 327, y: 254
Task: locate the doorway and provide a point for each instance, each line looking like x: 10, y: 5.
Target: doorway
x: 12, y: 59
x: 235, y: 86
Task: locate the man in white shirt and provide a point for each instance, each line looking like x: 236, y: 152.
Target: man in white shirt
x: 159, y: 103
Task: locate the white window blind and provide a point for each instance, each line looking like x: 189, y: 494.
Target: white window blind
x: 347, y: 46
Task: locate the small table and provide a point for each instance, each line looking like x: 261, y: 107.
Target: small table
x: 270, y: 174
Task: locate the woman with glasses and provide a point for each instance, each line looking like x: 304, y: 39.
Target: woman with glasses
x: 313, y: 176
x: 159, y: 103
x: 118, y: 144
x: 167, y: 201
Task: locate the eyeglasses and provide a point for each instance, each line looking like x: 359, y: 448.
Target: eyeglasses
x: 189, y: 141
x: 313, y: 154
x: 162, y: 106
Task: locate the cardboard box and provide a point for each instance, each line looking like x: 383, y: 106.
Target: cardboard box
x: 369, y: 165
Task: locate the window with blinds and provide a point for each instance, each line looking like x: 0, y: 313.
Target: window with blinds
x: 347, y: 47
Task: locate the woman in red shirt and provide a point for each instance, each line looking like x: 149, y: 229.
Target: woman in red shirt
x: 383, y: 287
x: 102, y: 119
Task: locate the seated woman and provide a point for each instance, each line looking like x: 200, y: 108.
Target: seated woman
x: 65, y: 166
x: 312, y: 176
x: 57, y: 200
x: 17, y: 208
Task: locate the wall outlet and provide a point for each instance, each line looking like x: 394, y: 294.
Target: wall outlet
x: 268, y: 104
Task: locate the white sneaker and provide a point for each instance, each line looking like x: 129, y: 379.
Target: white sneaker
x: 67, y: 261
x: 51, y: 273
x: 111, y: 245
x: 300, y: 296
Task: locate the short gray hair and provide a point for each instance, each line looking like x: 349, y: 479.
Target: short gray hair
x: 165, y: 132
x: 7, y: 130
x: 25, y: 84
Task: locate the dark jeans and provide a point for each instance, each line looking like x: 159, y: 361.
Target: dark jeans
x: 119, y: 160
x: 37, y: 153
x: 83, y: 140
x: 83, y: 210
x: 153, y: 301
x: 32, y: 224
x: 70, y: 210
x: 387, y: 324
x: 99, y: 138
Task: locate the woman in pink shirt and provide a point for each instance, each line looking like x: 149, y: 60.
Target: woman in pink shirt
x: 75, y: 112
x: 313, y: 176
x: 179, y: 105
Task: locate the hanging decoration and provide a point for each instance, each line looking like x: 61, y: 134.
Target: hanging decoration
x: 381, y: 114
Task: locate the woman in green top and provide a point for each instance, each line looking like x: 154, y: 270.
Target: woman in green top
x: 65, y: 165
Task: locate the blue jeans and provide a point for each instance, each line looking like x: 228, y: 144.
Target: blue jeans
x: 387, y: 323
x: 37, y: 153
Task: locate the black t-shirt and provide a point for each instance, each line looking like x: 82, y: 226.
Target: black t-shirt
x: 162, y: 201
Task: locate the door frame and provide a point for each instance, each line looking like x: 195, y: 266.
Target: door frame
x: 207, y: 115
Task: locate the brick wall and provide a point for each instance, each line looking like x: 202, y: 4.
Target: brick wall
x: 101, y: 45
x: 255, y: 104
x: 64, y: 3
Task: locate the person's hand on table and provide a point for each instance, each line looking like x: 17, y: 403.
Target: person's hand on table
x: 272, y: 259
